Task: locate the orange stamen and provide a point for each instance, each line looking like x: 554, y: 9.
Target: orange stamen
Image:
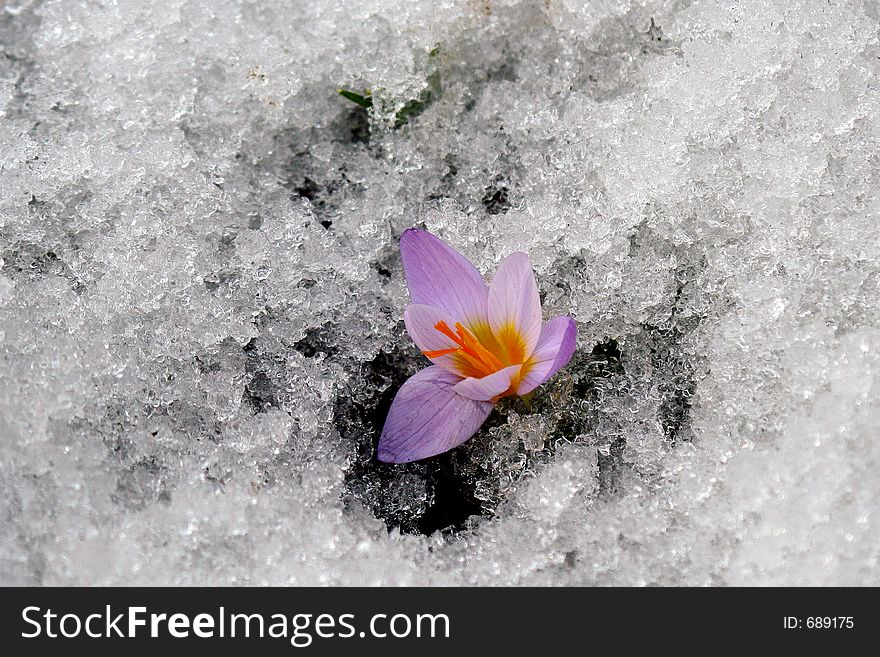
x: 443, y: 327
x: 439, y: 352
x: 476, y: 360
x: 479, y: 366
x: 479, y: 350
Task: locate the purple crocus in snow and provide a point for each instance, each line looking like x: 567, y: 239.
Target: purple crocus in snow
x: 485, y: 342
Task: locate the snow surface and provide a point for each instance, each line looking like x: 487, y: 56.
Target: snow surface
x: 201, y: 294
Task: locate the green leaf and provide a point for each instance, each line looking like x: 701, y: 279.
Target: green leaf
x: 365, y: 101
x: 415, y: 106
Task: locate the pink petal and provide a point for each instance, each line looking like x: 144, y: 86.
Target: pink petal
x: 438, y: 275
x: 514, y: 303
x: 554, y: 349
x: 427, y: 417
x: 489, y: 386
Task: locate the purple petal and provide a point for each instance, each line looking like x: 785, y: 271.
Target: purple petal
x: 554, y: 349
x: 489, y: 386
x: 427, y: 417
x: 438, y: 275
x: 515, y: 307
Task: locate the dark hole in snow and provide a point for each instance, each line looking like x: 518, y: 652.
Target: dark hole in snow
x: 308, y: 189
x: 416, y: 498
x: 679, y: 384
x: 496, y: 199
x: 603, y: 362
x: 450, y: 492
x: 352, y: 126
x: 316, y: 341
x: 260, y: 392
x: 655, y: 32
x: 388, y: 261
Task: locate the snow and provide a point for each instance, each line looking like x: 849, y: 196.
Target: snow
x: 201, y: 294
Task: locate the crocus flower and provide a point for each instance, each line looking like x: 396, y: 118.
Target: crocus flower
x: 485, y: 342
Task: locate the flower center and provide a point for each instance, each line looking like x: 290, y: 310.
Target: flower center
x: 476, y: 360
